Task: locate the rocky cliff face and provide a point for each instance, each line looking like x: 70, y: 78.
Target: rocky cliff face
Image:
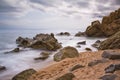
x: 109, y: 25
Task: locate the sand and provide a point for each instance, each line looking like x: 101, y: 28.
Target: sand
x: 87, y: 73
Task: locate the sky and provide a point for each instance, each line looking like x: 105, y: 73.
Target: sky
x: 37, y: 14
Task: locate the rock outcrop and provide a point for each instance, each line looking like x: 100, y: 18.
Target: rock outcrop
x: 112, y: 42
x: 24, y: 75
x: 66, y: 52
x: 109, y: 25
x: 40, y: 41
x: 64, y: 34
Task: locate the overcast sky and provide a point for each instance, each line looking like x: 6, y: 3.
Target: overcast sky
x: 53, y: 13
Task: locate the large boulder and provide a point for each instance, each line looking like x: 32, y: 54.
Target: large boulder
x: 112, y: 42
x: 40, y: 41
x: 24, y: 75
x: 66, y: 52
x: 110, y: 25
x: 94, y: 29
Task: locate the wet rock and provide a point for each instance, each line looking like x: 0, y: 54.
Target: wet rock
x: 66, y: 52
x: 78, y: 46
x: 111, y: 55
x: 88, y: 49
x: 45, y: 53
x: 40, y: 41
x: 95, y: 62
x: 112, y: 42
x: 108, y: 77
x: 24, y: 75
x: 112, y: 68
x: 76, y: 67
x: 23, y: 42
x: 82, y: 42
x: 64, y: 34
x: 42, y: 57
x: 67, y: 76
x: 16, y: 50
x: 96, y: 44
x: 80, y: 34
x: 2, y: 68
x: 94, y: 29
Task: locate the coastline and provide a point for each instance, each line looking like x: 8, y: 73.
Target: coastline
x: 87, y: 73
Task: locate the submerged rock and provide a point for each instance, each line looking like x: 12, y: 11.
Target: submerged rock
x: 64, y: 34
x: 67, y: 76
x: 112, y: 42
x: 40, y: 41
x: 2, y: 68
x: 82, y: 42
x: 80, y: 34
x: 66, y: 52
x: 24, y: 75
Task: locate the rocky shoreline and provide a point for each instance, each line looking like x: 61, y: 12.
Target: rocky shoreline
x: 69, y: 64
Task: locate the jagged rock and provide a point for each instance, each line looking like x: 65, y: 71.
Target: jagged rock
x: 111, y: 55
x: 82, y: 42
x: 67, y: 76
x: 109, y: 26
x: 94, y: 29
x: 112, y: 42
x: 24, y: 75
x: 112, y: 68
x: 76, y: 67
x: 80, y: 34
x: 95, y: 62
x: 96, y: 44
x: 66, y: 52
x: 88, y: 49
x: 64, y: 33
x: 23, y: 42
x: 2, y: 68
x: 40, y: 41
x: 108, y: 77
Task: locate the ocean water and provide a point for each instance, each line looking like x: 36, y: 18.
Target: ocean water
x: 17, y: 62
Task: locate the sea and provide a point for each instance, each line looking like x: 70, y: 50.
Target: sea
x: 17, y: 62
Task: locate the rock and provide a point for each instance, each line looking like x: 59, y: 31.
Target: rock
x: 95, y: 62
x: 23, y: 42
x: 40, y: 41
x: 112, y: 42
x: 112, y: 68
x: 109, y: 26
x: 64, y: 34
x: 80, y: 34
x: 2, y: 68
x: 24, y: 75
x: 83, y: 43
x: 66, y: 52
x: 111, y: 55
x: 67, y: 76
x: 76, y: 67
x: 42, y: 57
x: 45, y: 53
x: 78, y: 46
x: 94, y: 29
x: 16, y: 50
x: 96, y: 44
x: 88, y: 49
x: 108, y: 77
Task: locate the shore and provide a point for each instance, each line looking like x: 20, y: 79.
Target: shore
x: 86, y: 73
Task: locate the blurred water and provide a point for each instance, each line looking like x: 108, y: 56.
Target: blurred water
x: 17, y: 62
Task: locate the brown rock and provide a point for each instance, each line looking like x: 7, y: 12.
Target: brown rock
x: 76, y: 67
x: 24, y: 75
x: 82, y: 42
x: 64, y: 33
x: 2, y: 68
x: 80, y: 34
x: 67, y: 76
x: 88, y: 49
x: 112, y: 42
x: 66, y: 52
